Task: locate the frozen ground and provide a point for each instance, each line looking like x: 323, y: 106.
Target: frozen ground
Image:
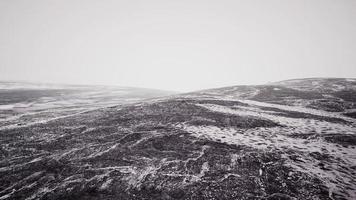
x: 278, y: 141
x: 289, y: 137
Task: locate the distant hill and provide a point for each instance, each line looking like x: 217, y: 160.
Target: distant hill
x: 23, y: 103
x: 329, y: 94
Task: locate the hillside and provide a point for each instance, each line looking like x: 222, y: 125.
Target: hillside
x: 287, y: 140
x: 24, y: 104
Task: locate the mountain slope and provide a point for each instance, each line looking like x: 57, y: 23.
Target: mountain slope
x: 244, y: 142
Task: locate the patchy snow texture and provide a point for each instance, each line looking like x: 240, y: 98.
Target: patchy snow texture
x: 279, y: 138
x: 285, y: 140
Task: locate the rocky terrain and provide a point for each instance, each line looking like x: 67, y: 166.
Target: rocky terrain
x: 293, y: 139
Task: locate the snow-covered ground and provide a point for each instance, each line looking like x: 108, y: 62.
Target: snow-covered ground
x: 226, y: 143
x: 285, y: 139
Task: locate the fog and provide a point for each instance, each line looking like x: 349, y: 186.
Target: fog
x: 180, y: 45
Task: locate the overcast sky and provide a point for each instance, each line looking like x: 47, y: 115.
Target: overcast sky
x: 180, y: 45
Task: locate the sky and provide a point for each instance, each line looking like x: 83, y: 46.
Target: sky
x: 183, y: 45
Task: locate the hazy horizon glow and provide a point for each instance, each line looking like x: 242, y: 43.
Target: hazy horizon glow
x: 176, y: 45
